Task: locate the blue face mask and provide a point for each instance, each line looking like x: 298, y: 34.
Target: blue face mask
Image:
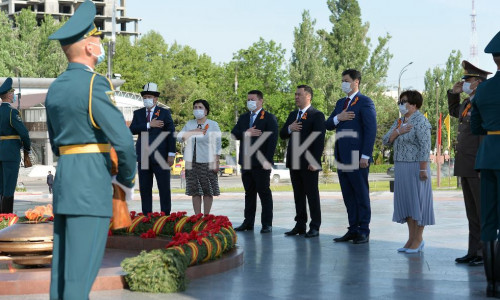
x: 100, y: 57
x: 14, y: 99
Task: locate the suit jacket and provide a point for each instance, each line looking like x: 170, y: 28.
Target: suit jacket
x: 11, y: 124
x: 50, y: 179
x: 139, y: 125
x: 312, y: 121
x: 484, y: 118
x: 83, y: 185
x: 467, y: 143
x: 364, y: 125
x: 264, y: 121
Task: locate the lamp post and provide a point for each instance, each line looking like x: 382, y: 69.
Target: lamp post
x: 399, y: 80
x: 438, y: 146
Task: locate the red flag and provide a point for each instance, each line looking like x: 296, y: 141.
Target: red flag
x: 439, y: 130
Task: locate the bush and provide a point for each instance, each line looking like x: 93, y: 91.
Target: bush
x: 379, y: 168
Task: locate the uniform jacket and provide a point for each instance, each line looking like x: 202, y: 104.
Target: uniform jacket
x: 467, y: 143
x: 83, y: 182
x: 364, y: 125
x: 484, y: 118
x: 312, y: 121
x: 139, y: 126
x: 11, y: 124
x: 264, y: 121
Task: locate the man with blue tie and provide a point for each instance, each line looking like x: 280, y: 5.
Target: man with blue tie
x: 252, y: 128
x: 355, y: 122
x: 155, y: 143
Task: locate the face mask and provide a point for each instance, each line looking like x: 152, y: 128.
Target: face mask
x: 402, y: 109
x: 466, y: 88
x: 346, y: 87
x: 14, y: 99
x: 100, y: 57
x: 148, y: 102
x: 251, y: 105
x: 199, y: 113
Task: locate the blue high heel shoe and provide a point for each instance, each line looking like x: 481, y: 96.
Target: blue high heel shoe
x: 418, y: 249
x: 402, y: 249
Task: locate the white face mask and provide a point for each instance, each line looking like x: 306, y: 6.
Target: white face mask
x: 199, y: 113
x: 251, y: 105
x: 14, y: 99
x: 402, y: 109
x: 148, y: 102
x: 100, y: 57
x: 346, y: 87
x: 466, y: 88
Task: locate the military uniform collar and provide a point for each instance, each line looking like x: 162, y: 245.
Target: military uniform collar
x: 73, y: 66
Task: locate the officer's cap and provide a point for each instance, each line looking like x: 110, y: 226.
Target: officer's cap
x: 493, y: 46
x: 79, y: 26
x: 472, y: 71
x: 6, y: 86
x: 150, y: 88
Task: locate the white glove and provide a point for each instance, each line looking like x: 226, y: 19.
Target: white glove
x: 129, y: 192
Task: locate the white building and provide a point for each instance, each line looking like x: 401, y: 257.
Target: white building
x: 65, y: 8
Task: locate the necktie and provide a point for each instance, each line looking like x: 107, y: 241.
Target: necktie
x: 148, y: 116
x: 251, y: 120
x: 346, y: 103
x: 299, y: 116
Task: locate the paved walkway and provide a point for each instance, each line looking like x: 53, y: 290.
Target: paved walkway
x: 279, y: 267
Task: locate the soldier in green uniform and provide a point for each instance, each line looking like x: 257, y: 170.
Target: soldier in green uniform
x: 485, y: 121
x: 13, y: 136
x: 83, y: 124
x: 465, y: 157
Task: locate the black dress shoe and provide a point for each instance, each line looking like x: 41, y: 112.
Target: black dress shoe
x: 266, y: 229
x: 477, y: 261
x: 361, y: 239
x: 349, y: 236
x: 244, y: 227
x: 465, y: 259
x: 295, y: 231
x: 312, y: 233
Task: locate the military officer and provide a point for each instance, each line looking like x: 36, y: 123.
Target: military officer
x: 83, y: 124
x: 13, y: 136
x: 465, y: 157
x: 485, y: 121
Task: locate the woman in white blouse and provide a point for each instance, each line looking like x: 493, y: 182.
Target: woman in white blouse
x: 201, y: 154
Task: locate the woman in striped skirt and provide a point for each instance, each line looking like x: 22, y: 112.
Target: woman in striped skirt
x: 201, y: 155
x: 410, y: 136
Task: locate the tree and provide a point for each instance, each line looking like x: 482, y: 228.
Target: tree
x: 441, y: 79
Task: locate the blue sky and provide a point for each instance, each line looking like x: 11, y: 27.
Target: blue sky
x: 423, y: 31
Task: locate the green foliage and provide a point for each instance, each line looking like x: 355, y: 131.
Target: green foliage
x: 440, y: 80
x: 157, y: 271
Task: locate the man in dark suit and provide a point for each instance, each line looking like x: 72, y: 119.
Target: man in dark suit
x: 50, y: 181
x: 258, y: 132
x: 485, y: 121
x: 355, y: 122
x: 465, y: 157
x: 155, y: 126
x: 305, y: 127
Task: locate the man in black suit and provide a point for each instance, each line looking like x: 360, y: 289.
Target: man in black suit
x: 154, y: 125
x: 305, y: 128
x: 50, y: 181
x: 258, y: 132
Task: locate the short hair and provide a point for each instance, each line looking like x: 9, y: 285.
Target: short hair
x: 204, y: 102
x: 307, y: 89
x: 414, y: 97
x: 354, y: 74
x: 259, y: 94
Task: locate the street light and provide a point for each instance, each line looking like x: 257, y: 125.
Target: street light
x: 399, y: 80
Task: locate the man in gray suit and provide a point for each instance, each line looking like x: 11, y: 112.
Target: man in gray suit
x: 465, y: 157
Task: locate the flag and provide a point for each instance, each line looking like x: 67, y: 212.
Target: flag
x: 439, y: 131
x: 447, y: 124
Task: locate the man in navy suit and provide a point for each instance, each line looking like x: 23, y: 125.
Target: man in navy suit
x: 355, y: 122
x: 258, y: 132
x: 155, y: 143
x: 305, y: 127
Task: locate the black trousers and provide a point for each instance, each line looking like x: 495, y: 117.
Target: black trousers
x: 146, y: 188
x: 257, y: 181
x: 471, y: 187
x: 305, y: 184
